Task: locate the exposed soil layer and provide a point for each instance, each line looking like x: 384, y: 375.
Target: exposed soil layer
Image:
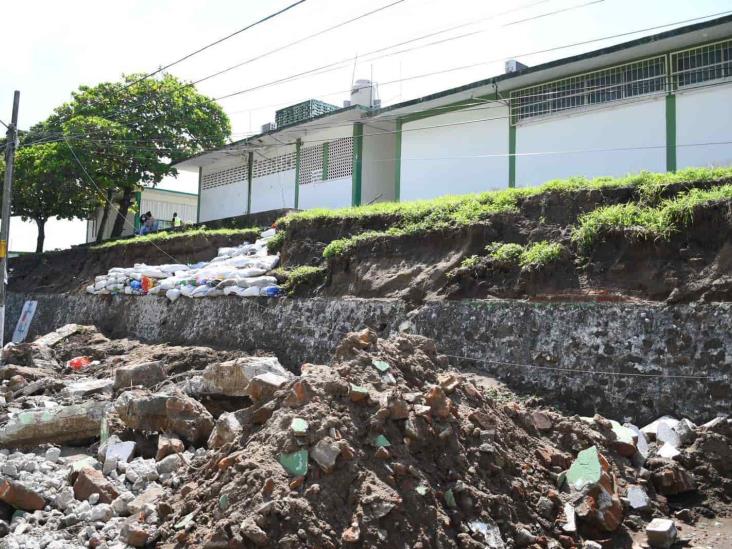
x: 71, y: 270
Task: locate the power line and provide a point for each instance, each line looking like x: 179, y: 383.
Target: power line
x: 295, y: 42
x: 348, y: 60
x: 216, y: 42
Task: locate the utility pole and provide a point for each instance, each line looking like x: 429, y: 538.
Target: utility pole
x: 10, y: 145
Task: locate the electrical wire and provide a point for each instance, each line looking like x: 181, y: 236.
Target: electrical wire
x: 216, y: 42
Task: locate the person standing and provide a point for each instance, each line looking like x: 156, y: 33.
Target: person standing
x: 177, y: 222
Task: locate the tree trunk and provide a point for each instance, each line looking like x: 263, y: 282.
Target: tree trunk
x: 105, y: 217
x: 121, y: 219
x: 41, y: 223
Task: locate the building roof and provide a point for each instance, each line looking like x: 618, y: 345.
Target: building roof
x: 706, y: 31
x: 678, y: 38
x: 292, y: 131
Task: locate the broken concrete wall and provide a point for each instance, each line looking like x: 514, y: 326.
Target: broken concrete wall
x: 564, y: 352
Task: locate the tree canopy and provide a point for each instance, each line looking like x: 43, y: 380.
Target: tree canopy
x: 132, y: 132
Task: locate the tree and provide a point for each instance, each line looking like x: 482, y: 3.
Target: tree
x: 156, y: 121
x: 45, y: 186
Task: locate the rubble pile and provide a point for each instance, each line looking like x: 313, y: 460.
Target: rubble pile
x: 154, y: 445
x: 238, y: 271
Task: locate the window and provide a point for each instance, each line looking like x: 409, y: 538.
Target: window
x: 702, y: 64
x: 604, y: 86
x: 311, y: 164
x: 225, y: 177
x: 340, y: 158
x: 276, y: 164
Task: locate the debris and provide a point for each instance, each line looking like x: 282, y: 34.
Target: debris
x: 570, y: 523
x: 263, y: 386
x: 295, y: 463
x: 381, y: 365
x: 668, y: 451
x: 161, y: 412
x: 15, y: 494
x: 91, y: 481
x: 146, y: 374
x: 60, y: 425
x: 638, y: 498
x: 541, y: 421
x: 232, y: 378
x: 325, y: 453
x: 661, y: 533
x: 686, y: 431
x: 667, y: 434
x: 651, y: 429
x: 168, y: 444
x: 586, y: 469
x: 79, y: 362
x: 299, y: 427
x: 226, y: 430
x: 672, y: 479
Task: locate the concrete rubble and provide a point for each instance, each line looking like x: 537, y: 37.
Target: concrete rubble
x: 387, y: 446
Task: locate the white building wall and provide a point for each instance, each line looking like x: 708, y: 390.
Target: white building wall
x: 273, y: 192
x: 452, y: 154
x: 704, y: 117
x: 577, y: 143
x: 335, y: 193
x: 378, y: 163
x: 228, y: 200
x: 332, y: 193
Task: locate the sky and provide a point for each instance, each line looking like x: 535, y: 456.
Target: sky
x: 61, y: 45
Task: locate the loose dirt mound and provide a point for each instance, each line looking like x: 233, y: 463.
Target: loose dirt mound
x: 386, y: 448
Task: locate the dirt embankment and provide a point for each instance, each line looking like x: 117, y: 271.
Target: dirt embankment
x: 691, y: 264
x: 72, y: 270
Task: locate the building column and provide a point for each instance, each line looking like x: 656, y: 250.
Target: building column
x: 250, y: 171
x: 671, y: 132
x: 398, y: 161
x: 357, y: 164
x: 511, y: 154
x: 298, y: 145
x: 198, y: 205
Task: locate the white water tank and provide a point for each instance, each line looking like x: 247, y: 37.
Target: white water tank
x: 363, y: 93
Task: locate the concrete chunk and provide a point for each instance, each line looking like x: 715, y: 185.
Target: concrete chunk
x: 60, y: 425
x: 638, y: 498
x: 158, y: 412
x: 651, y: 429
x: 231, y: 378
x: 661, y: 533
x: 668, y: 435
x: 226, y: 430
x: 146, y: 374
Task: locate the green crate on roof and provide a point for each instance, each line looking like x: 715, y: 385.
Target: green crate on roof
x: 302, y: 111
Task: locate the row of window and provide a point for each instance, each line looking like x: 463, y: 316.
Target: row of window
x: 645, y: 77
x: 324, y: 162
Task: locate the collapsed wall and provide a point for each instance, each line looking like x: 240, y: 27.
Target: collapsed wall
x: 639, y: 360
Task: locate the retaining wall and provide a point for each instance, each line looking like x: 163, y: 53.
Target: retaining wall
x: 622, y: 360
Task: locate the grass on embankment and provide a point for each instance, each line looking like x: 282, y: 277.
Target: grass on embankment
x: 447, y: 212
x: 163, y: 237
x: 640, y: 221
x: 538, y: 254
x: 299, y: 277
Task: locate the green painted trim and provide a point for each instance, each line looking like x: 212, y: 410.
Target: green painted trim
x: 198, y: 202
x: 250, y: 171
x: 398, y: 160
x: 511, y: 155
x: 298, y: 145
x: 671, y: 132
x: 138, y: 199
x: 357, y: 164
x: 326, y: 153
x: 458, y: 105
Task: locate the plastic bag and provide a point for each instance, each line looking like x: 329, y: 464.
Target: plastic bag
x: 79, y: 362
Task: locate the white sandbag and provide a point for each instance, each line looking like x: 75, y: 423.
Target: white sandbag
x: 173, y: 294
x: 173, y: 268
x: 100, y: 284
x: 233, y: 290
x: 258, y: 281
x: 90, y: 289
x: 155, y: 290
x: 152, y: 272
x: 128, y: 290
x: 268, y: 233
x: 227, y: 282
x: 187, y: 290
x: 252, y: 291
